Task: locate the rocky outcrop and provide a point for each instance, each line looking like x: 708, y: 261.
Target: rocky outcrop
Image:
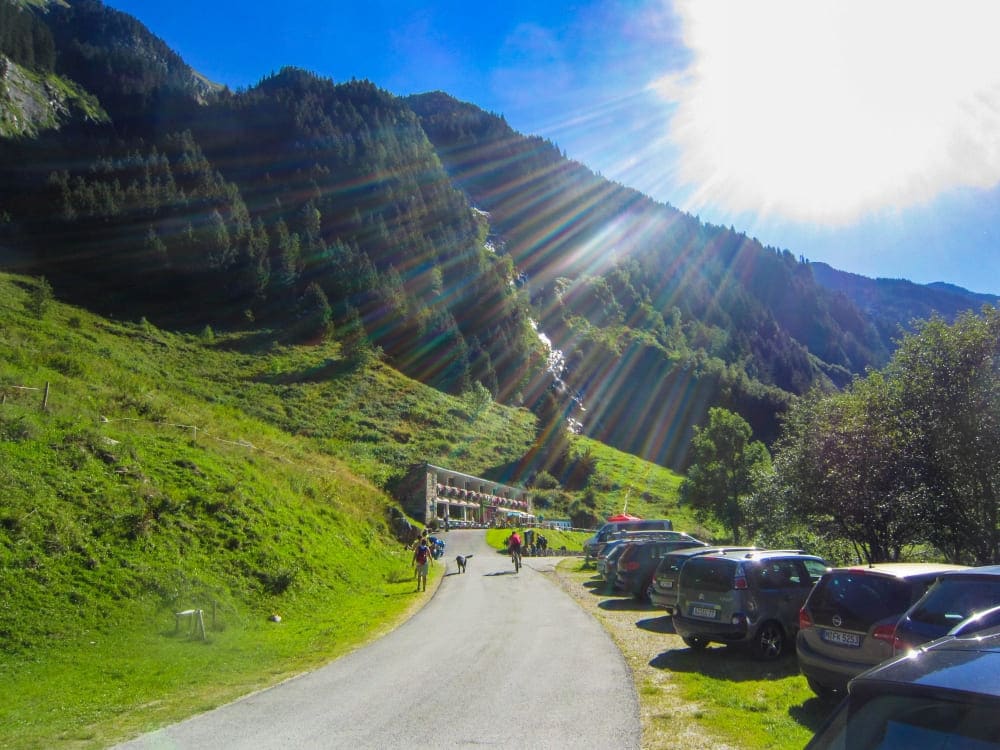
x: 32, y: 102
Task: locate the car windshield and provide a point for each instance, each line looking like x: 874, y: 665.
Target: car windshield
x: 896, y: 721
x: 954, y: 598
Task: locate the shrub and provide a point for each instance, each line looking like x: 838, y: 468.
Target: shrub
x: 545, y: 481
x: 40, y: 298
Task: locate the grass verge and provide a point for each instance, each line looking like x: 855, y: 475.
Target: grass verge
x: 720, y: 698
x: 145, y: 472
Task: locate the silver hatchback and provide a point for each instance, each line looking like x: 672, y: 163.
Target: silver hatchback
x: 847, y: 623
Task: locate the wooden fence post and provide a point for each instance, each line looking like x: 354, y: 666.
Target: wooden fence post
x: 45, y: 398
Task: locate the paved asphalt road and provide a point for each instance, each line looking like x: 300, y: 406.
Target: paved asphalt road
x: 493, y: 660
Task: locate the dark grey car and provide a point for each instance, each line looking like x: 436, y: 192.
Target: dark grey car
x: 944, y: 695
x: 639, y: 561
x: 663, y: 591
x: 608, y: 561
x: 953, y: 598
x: 750, y: 598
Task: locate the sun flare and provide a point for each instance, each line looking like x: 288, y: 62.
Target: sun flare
x: 826, y: 111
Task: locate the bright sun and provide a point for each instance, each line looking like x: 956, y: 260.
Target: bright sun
x: 825, y: 111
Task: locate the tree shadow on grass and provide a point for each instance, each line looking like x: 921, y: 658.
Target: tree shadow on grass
x: 734, y: 664
x: 599, y: 588
x: 726, y: 663
x: 329, y: 369
x: 623, y: 604
x: 813, y: 713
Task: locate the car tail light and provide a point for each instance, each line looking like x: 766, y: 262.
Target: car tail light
x: 805, y: 621
x: 631, y: 566
x: 738, y: 618
x: 885, y: 633
x: 740, y: 581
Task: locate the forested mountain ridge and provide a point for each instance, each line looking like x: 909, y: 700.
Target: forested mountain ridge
x: 690, y: 314
x: 422, y: 227
x: 891, y: 302
x: 299, y: 203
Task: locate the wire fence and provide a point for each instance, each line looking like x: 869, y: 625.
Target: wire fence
x: 4, y: 389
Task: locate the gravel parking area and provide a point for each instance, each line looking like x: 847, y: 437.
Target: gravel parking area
x: 643, y: 634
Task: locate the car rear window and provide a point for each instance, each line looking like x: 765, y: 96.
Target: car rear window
x: 904, y: 721
x: 672, y: 563
x: 631, y: 551
x: 954, y: 598
x: 707, y: 574
x: 860, y: 598
x: 615, y: 553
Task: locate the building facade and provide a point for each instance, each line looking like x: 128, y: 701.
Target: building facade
x: 433, y: 495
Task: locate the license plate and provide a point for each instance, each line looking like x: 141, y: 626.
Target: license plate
x: 706, y: 612
x: 668, y: 584
x: 852, y: 640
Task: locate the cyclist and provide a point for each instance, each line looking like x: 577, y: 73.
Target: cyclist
x: 514, y: 547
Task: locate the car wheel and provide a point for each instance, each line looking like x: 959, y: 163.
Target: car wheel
x: 641, y: 594
x: 695, y: 642
x: 770, y: 640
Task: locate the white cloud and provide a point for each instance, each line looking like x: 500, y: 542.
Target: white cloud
x: 827, y: 111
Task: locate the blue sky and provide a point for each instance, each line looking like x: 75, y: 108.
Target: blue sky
x: 862, y: 133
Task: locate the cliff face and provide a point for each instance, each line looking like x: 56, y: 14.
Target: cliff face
x: 32, y: 102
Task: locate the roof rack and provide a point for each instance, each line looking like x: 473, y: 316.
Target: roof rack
x: 756, y: 552
x: 648, y: 532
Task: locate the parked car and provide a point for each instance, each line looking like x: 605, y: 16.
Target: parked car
x: 749, y: 598
x: 951, y: 600
x: 944, y: 695
x: 984, y: 619
x: 848, y: 621
x: 608, y: 561
x: 610, y: 557
x: 663, y: 589
x: 631, y: 536
x: 638, y: 562
x: 592, y: 545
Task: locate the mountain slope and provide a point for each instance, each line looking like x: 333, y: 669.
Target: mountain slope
x: 894, y: 303
x: 422, y: 229
x: 147, y: 472
x: 300, y: 202
x: 650, y: 305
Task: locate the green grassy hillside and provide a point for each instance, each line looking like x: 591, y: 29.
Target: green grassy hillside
x: 166, y: 472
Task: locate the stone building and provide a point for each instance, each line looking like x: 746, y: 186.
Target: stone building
x: 432, y: 494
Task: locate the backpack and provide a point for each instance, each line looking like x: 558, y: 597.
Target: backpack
x: 421, y: 554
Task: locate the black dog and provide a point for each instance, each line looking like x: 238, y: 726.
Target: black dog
x: 461, y: 559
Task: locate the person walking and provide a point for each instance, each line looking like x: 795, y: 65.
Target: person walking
x: 422, y: 562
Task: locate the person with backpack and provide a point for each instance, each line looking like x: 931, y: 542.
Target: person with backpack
x: 422, y: 562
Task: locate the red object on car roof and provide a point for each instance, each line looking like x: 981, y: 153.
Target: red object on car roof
x: 624, y: 517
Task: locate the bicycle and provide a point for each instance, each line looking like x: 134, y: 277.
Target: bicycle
x: 515, y: 557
